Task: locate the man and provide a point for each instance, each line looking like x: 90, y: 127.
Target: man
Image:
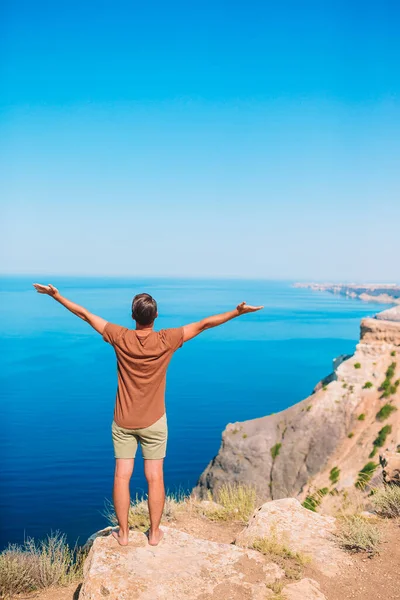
x: 143, y: 355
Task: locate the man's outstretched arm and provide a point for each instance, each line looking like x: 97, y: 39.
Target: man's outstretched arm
x: 96, y: 322
x: 190, y: 331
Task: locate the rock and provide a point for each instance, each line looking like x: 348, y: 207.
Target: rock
x: 103, y: 532
x: 332, y: 376
x: 181, y: 567
x: 390, y: 463
x: 391, y: 314
x: 380, y: 331
x: 306, y: 589
x: 299, y: 529
x: 368, y: 515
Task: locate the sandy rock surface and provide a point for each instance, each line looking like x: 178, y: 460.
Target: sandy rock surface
x: 181, y: 567
x: 299, y: 529
x: 391, y: 314
x: 306, y: 589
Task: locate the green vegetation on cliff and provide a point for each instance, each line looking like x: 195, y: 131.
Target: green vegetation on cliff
x: 275, y: 450
x: 334, y: 475
x: 365, y: 475
x: 385, y: 412
x: 387, y: 387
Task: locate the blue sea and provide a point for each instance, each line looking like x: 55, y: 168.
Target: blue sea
x: 58, y: 384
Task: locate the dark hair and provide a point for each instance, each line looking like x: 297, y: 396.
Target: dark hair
x: 144, y: 309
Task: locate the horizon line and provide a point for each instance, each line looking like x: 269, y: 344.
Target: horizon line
x: 202, y: 277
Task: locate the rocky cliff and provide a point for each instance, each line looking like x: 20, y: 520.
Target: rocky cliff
x: 328, y: 438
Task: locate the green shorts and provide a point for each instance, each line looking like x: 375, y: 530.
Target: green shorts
x: 153, y: 440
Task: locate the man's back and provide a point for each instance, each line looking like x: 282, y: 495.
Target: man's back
x: 142, y: 359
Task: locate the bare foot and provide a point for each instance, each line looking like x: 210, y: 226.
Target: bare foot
x: 121, y: 539
x: 155, y: 538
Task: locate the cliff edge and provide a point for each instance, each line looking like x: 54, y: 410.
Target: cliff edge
x: 351, y: 417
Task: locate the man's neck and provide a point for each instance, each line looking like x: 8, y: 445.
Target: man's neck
x: 144, y: 328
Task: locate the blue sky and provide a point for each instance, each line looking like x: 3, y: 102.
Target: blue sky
x: 235, y: 139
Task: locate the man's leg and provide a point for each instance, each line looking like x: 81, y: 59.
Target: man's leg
x: 153, y: 470
x: 121, y: 497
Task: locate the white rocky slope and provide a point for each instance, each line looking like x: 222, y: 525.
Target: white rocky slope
x: 288, y: 453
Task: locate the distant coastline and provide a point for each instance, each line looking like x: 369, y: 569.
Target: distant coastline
x: 385, y: 293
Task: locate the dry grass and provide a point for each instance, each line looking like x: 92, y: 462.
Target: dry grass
x: 386, y: 501
x: 233, y: 503
x: 237, y: 501
x: 138, y: 517
x: 291, y: 562
x: 351, y: 501
x: 277, y: 588
x: 358, y: 534
x: 272, y: 547
x: 355, y: 532
x: 38, y: 565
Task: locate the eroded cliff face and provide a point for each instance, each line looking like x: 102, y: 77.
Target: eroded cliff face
x: 292, y: 453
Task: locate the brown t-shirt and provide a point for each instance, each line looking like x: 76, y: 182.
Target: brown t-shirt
x: 142, y: 361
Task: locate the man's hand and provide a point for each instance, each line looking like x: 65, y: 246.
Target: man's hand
x: 98, y: 323
x: 50, y: 290
x: 244, y: 308
x: 190, y: 331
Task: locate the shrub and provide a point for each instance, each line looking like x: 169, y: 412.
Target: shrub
x: 361, y: 417
x: 393, y: 353
x: 334, y: 475
x: 313, y: 501
x: 357, y: 365
x: 17, y: 572
x: 344, y: 385
x: 367, y: 385
x: 365, y: 475
x: 382, y: 435
x: 373, y: 452
x: 386, y: 501
x: 387, y: 387
x: 350, y: 435
x: 275, y: 450
x: 309, y: 407
x: 38, y: 565
x: 244, y: 436
x: 390, y: 371
x: 390, y: 389
x: 358, y: 535
x: 385, y: 412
